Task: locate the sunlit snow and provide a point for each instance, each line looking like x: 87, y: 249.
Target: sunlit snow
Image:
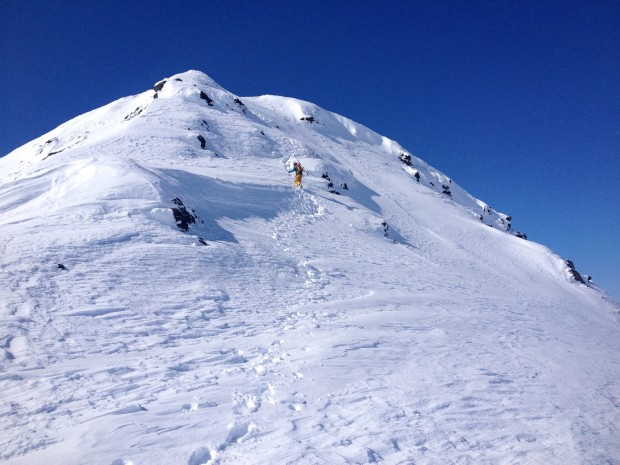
x: 381, y: 314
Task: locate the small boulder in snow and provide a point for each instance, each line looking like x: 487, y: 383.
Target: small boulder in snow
x: 405, y: 158
x: 202, y: 140
x: 182, y: 217
x: 574, y: 272
x: 207, y: 98
x: 159, y: 85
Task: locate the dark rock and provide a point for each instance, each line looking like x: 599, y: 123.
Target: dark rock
x: 405, y: 158
x: 325, y: 176
x: 159, y: 86
x: 521, y: 235
x: 182, y: 217
x: 206, y: 97
x: 309, y: 119
x: 446, y: 190
x: 417, y: 176
x: 334, y: 192
x: 156, y: 95
x: 240, y: 104
x: 386, y: 228
x: 178, y: 79
x: 201, y: 240
x: 431, y: 183
x: 202, y: 140
x: 61, y: 266
x: 574, y: 272
x: 134, y: 113
x: 345, y: 187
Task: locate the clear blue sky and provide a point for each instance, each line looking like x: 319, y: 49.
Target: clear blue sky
x: 519, y: 102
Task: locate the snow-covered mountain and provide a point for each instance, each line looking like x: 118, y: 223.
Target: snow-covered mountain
x: 168, y: 297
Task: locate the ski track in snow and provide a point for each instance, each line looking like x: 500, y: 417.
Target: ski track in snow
x: 300, y: 334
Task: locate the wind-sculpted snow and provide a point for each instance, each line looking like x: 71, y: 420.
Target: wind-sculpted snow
x: 373, y: 320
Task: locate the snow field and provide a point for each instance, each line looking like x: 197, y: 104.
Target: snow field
x: 301, y: 330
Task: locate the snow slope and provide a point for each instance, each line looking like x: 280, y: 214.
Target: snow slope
x: 372, y: 317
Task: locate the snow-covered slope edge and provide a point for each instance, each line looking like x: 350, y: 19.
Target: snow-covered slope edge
x: 207, y: 312
x: 198, y: 90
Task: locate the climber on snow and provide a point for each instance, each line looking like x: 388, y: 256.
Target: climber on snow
x: 298, y: 170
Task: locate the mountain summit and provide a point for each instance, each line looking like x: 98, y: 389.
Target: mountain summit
x: 168, y: 296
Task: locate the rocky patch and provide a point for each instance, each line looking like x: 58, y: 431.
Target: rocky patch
x: 182, y: 217
x: 386, y: 228
x: 134, y: 113
x: 202, y: 140
x: 330, y: 184
x: 241, y: 105
x: 405, y: 158
x: 574, y: 272
x: 205, y: 97
x: 159, y: 85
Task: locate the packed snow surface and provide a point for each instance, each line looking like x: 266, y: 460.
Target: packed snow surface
x: 168, y: 297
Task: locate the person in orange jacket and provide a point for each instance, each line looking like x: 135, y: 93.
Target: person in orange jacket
x: 298, y: 170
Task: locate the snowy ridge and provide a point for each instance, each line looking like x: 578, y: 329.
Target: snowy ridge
x: 168, y: 297
x: 194, y: 89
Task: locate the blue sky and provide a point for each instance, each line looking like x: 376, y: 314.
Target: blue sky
x: 519, y: 102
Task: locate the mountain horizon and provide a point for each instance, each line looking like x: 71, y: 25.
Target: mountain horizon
x: 169, y: 296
